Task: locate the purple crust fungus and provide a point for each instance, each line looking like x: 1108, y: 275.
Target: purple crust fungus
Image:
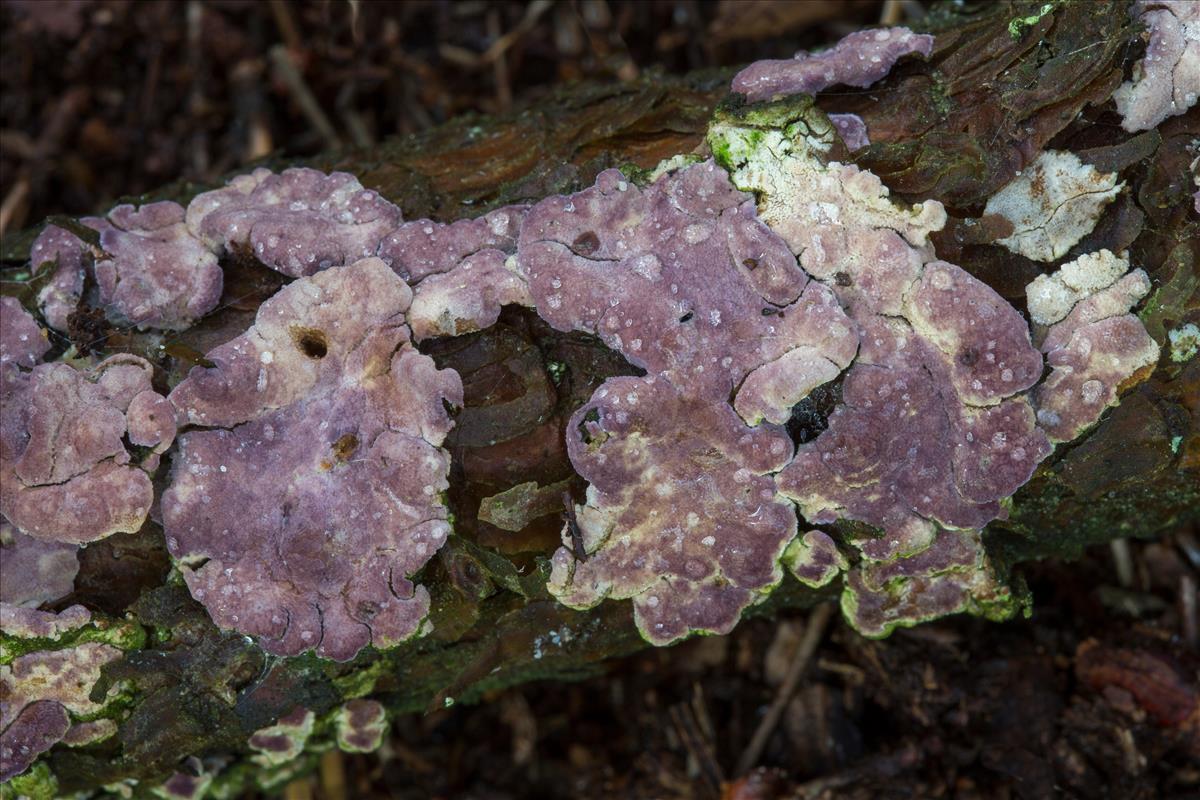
x: 360, y: 726
x: 76, y: 448
x: 934, y: 429
x: 682, y: 513
x: 33, y: 571
x: 860, y: 59
x: 461, y: 272
x: 280, y: 743
x: 22, y: 340
x: 25, y: 622
x: 150, y: 272
x: 159, y: 275
x: 89, y: 731
x: 950, y: 576
x: 33, y: 730
x: 311, y: 487
x: 68, y: 258
x: 297, y: 222
x: 928, y: 410
x: 852, y: 130
x: 1167, y: 81
x: 685, y: 281
x: 422, y: 247
x: 185, y: 786
x: 815, y: 559
x: 468, y: 297
x: 40, y: 691
x: 1049, y: 298
x: 1095, y: 346
x: 933, y: 426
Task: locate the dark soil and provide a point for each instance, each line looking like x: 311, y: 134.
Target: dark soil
x: 1095, y: 696
x: 106, y: 98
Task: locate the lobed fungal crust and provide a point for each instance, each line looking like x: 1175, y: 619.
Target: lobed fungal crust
x: 1166, y: 82
x: 309, y: 488
x: 859, y: 59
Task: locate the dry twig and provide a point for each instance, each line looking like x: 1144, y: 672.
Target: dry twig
x: 281, y: 59
x: 813, y: 632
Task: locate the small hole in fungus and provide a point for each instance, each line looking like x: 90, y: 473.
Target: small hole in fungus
x: 968, y: 357
x: 345, y: 446
x: 750, y: 264
x: 311, y: 342
x: 586, y: 243
x: 687, y: 317
x: 842, y: 279
x: 810, y: 417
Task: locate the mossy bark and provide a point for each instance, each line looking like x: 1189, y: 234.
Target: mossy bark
x: 954, y: 129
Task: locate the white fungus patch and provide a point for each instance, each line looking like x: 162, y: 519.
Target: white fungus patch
x: 1051, y: 297
x: 1185, y: 342
x: 1053, y: 204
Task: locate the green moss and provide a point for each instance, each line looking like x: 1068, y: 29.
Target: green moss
x: 739, y: 134
x: 1176, y: 295
x: 557, y: 371
x: 123, y: 634
x: 1018, y: 25
x: 36, y: 783
x: 644, y: 177
x: 1139, y: 511
x: 940, y: 97
x: 361, y: 682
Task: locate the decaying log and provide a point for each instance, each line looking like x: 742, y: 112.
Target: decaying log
x: 1001, y: 85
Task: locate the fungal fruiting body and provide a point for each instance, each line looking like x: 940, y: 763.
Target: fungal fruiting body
x: 859, y: 59
x: 935, y: 428
x: 1166, y: 82
x: 1052, y: 204
x: 327, y: 396
x: 77, y: 447
x: 683, y: 279
x: 45, y: 690
x: 298, y: 222
x: 150, y: 272
x: 1093, y: 344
